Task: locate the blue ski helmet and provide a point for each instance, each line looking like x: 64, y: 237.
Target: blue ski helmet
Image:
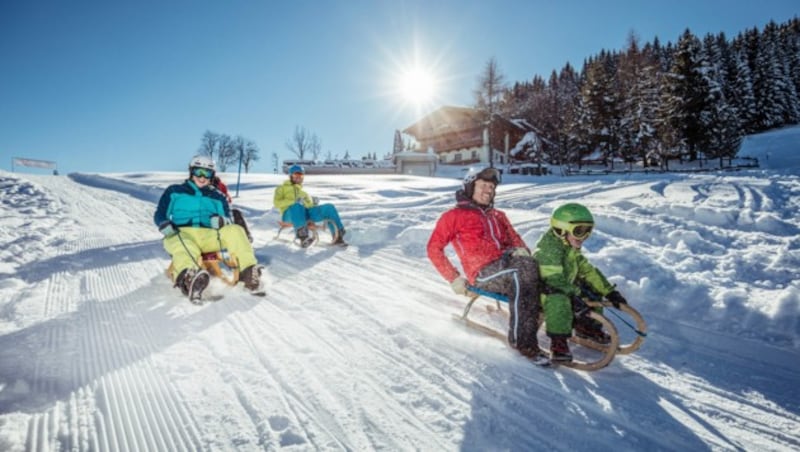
x: 296, y: 169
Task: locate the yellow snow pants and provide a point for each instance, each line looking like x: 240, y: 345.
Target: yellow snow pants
x: 187, y: 246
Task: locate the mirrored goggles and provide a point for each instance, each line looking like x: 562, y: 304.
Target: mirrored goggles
x: 581, y: 231
x: 203, y: 172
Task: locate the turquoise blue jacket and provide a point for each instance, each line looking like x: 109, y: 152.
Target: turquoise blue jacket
x: 187, y: 205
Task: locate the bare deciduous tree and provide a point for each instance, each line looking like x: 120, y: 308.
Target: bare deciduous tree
x: 491, y: 85
x: 250, y: 154
x: 209, y: 144
x: 304, y: 143
x: 226, y: 151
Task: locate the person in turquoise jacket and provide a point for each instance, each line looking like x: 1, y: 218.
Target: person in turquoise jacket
x: 298, y: 208
x: 195, y: 218
x: 563, y: 270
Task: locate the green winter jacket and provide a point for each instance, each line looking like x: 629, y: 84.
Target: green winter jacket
x: 561, y: 267
x: 288, y: 193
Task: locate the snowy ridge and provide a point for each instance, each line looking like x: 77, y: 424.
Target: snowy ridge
x: 354, y: 349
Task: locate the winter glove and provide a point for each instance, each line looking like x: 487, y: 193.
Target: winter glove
x: 315, y: 200
x: 616, y: 299
x: 521, y: 252
x: 579, y: 307
x: 167, y: 228
x: 459, y: 285
x: 301, y: 201
x: 217, y: 222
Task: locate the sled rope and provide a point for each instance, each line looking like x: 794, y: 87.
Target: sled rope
x: 591, y: 295
x: 199, y: 267
x: 640, y: 333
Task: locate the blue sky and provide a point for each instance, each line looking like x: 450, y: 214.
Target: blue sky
x: 113, y: 86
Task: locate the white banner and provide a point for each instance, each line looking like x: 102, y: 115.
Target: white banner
x: 34, y: 163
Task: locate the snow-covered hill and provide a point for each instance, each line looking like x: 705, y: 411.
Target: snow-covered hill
x: 355, y: 349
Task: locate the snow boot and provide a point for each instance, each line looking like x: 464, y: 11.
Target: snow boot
x: 339, y: 240
x: 559, y: 350
x: 251, y: 277
x: 192, y: 283
x: 592, y: 330
x: 304, y: 237
x: 536, y: 355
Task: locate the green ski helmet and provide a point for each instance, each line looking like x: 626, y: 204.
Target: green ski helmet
x: 572, y: 218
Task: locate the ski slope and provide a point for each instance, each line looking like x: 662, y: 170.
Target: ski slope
x: 354, y: 349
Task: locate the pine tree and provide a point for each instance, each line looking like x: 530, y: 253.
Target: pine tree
x: 738, y: 86
x: 398, y: 143
x: 638, y: 82
x: 601, y: 105
x: 489, y: 92
x: 686, y: 101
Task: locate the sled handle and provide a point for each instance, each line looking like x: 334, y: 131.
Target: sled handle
x: 486, y: 293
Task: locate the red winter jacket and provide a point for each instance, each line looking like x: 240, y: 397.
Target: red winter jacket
x: 479, y: 236
x: 223, y: 188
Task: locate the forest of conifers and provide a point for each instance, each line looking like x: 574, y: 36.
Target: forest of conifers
x: 697, y: 97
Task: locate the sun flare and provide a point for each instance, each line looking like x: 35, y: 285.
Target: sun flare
x: 417, y: 86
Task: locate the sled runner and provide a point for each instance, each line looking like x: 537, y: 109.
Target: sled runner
x: 592, y: 356
x: 211, y: 263
x: 631, y: 337
x: 313, y: 231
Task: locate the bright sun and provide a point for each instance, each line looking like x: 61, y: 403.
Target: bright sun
x: 417, y: 86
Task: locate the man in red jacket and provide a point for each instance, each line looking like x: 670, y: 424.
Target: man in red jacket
x: 493, y: 256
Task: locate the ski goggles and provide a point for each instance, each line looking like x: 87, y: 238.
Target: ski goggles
x: 203, y: 172
x: 581, y: 231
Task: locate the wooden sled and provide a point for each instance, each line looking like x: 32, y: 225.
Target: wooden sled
x: 592, y: 356
x: 631, y: 342
x: 211, y: 263
x: 313, y: 230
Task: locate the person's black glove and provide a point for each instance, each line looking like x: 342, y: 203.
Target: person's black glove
x: 616, y: 299
x: 579, y: 307
x: 167, y: 228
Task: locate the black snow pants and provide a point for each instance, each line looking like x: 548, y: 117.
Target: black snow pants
x: 238, y: 218
x: 516, y: 277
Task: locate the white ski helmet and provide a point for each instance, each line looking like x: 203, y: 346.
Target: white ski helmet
x: 202, y: 161
x: 483, y: 173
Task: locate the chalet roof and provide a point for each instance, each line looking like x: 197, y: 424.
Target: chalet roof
x: 450, y: 119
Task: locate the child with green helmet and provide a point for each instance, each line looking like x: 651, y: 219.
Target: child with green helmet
x: 563, y: 270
